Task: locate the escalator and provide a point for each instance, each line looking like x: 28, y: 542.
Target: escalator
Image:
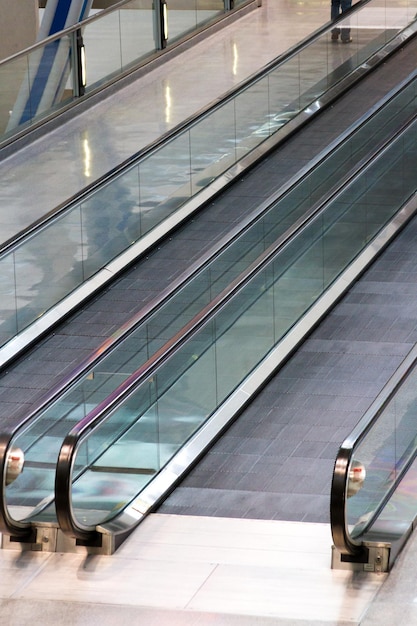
x: 147, y: 417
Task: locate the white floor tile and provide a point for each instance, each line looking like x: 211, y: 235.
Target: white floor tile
x: 202, y: 564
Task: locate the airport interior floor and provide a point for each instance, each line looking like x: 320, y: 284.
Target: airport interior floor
x: 195, y: 569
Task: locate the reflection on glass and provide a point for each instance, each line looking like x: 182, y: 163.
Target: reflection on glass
x: 42, y: 83
x: 15, y: 460
x: 168, y: 104
x: 386, y: 450
x: 47, y: 268
x: 13, y: 76
x: 284, y: 95
x: 356, y: 478
x: 164, y: 182
x: 110, y: 221
x: 213, y: 146
x: 315, y: 77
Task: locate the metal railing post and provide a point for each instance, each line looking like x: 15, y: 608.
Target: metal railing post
x: 78, y: 67
x: 160, y: 24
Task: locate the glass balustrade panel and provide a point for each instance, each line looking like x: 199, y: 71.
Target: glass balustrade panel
x: 8, y: 318
x: 15, y: 85
x: 372, y: 27
x: 387, y: 449
x: 252, y: 115
x: 181, y: 18
x: 165, y: 183
x: 103, y: 49
x: 140, y: 437
x: 207, y: 10
x: 316, y: 69
x: 38, y: 83
x: 47, y: 268
x: 110, y: 221
x: 244, y: 333
x: 40, y: 442
x: 213, y: 147
x: 117, y: 472
x: 329, y: 174
x: 137, y: 38
x: 284, y: 95
x: 51, y: 77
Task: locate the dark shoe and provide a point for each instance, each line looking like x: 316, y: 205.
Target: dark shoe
x: 347, y: 40
x: 335, y: 36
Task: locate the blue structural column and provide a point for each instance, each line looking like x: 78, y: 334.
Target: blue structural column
x: 49, y: 67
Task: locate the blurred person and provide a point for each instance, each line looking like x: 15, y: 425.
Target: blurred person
x: 339, y: 7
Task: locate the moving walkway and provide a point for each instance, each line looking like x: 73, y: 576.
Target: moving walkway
x: 58, y: 262
x: 144, y: 423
